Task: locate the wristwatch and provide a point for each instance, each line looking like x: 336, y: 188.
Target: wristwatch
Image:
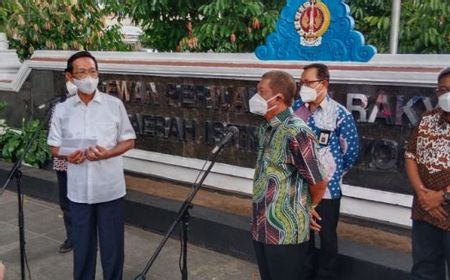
x: 447, y: 195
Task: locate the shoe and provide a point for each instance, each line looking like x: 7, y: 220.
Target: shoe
x: 65, y: 247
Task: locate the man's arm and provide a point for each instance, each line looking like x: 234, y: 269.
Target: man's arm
x: 76, y: 157
x: 303, y: 150
x: 413, y: 175
x: 430, y: 201
x: 349, y: 142
x: 317, y: 191
x: 100, y: 153
x: 55, y: 152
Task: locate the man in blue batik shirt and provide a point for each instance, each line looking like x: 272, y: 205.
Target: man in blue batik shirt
x: 339, y: 147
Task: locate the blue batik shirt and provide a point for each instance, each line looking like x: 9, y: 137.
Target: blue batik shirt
x: 336, y: 131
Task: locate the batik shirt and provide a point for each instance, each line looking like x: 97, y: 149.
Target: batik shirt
x: 286, y: 165
x: 59, y: 164
x: 429, y: 146
x: 336, y: 132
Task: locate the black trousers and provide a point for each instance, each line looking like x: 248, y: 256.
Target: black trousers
x: 430, y: 251
x: 64, y: 203
x: 105, y: 220
x: 281, y: 262
x: 322, y: 264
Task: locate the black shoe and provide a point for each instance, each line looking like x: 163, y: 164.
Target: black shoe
x: 65, y: 247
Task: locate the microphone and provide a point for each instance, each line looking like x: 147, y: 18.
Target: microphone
x: 54, y: 100
x: 231, y: 131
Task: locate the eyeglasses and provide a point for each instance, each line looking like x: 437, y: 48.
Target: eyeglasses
x: 308, y: 83
x: 85, y: 73
x: 442, y: 90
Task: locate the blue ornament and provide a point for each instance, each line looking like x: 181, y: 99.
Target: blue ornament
x: 315, y: 30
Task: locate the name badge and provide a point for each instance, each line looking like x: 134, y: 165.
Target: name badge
x: 324, y: 137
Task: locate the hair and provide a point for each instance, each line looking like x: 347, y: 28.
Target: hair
x: 78, y: 55
x: 444, y: 72
x: 322, y: 70
x: 281, y: 82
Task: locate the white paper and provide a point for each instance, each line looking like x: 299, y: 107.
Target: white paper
x: 69, y: 146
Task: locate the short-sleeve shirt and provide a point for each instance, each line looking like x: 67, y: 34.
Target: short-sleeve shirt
x: 286, y: 165
x: 336, y: 131
x: 105, y: 119
x: 429, y: 146
x: 59, y: 164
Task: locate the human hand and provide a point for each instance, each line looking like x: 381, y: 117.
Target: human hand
x: 97, y: 153
x: 76, y: 157
x: 314, y: 218
x: 2, y: 271
x: 438, y: 213
x: 429, y: 199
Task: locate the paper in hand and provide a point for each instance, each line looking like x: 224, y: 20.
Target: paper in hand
x: 69, y: 146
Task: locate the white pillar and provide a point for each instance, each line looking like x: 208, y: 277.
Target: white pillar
x: 395, y: 26
x: 3, y: 42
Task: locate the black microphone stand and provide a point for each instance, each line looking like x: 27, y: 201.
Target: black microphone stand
x: 183, y: 217
x: 17, y: 174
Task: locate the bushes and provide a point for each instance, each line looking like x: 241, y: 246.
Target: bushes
x: 13, y: 142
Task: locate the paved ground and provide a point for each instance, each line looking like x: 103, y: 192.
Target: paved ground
x: 45, y: 232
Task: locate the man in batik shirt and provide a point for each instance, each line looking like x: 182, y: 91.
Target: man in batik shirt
x: 288, y: 180
x: 427, y: 161
x: 335, y: 129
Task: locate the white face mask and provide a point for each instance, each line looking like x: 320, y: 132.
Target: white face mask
x: 71, y: 88
x: 308, y: 94
x: 87, y: 85
x: 444, y: 101
x: 258, y: 105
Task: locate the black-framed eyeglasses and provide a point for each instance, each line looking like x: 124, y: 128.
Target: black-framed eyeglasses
x: 308, y: 83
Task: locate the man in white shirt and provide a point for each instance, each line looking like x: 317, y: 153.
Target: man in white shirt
x: 95, y: 177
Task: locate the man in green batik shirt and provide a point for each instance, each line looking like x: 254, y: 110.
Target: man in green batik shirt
x: 288, y: 181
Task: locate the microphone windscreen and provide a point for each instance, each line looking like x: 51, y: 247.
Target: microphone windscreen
x: 233, y: 129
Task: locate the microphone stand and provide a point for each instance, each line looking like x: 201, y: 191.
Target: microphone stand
x: 17, y: 174
x: 183, y: 217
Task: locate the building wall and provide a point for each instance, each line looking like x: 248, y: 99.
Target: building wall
x: 180, y: 105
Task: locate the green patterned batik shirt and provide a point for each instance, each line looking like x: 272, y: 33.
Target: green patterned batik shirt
x: 286, y: 165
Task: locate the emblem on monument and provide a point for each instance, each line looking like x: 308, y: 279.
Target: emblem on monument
x: 312, y: 20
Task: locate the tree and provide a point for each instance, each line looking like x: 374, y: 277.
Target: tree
x: 63, y: 24
x: 241, y: 25
x: 205, y: 25
x: 6, y: 9
x: 423, y: 24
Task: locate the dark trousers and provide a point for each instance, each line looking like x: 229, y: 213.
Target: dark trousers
x: 322, y: 264
x: 64, y: 203
x: 431, y: 252
x: 105, y: 219
x: 280, y: 262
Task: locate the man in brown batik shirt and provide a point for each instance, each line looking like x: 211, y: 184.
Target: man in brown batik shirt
x: 427, y: 161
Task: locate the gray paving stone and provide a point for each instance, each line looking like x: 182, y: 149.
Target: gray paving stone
x: 45, y: 232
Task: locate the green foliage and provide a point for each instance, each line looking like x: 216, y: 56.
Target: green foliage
x: 5, y: 11
x: 424, y: 27
x: 241, y: 25
x: 3, y: 125
x: 3, y: 17
x: 12, y: 144
x: 205, y: 25
x: 62, y: 24
x: 2, y: 105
